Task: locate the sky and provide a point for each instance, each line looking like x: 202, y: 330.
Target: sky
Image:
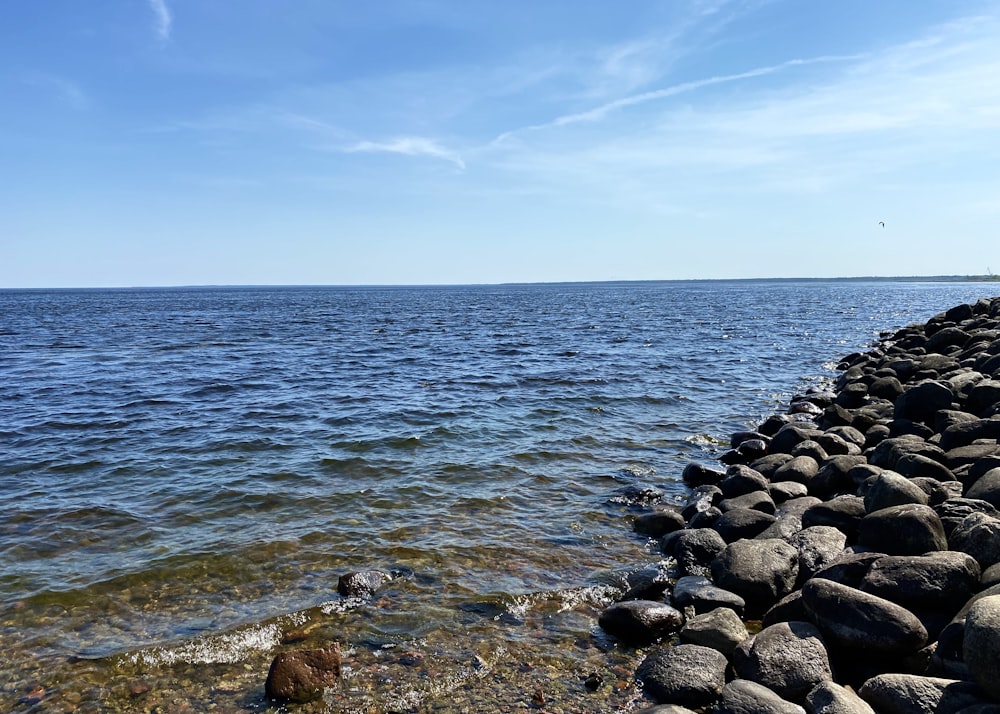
x: 324, y: 142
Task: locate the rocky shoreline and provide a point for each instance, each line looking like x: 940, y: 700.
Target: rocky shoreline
x: 857, y: 536
x: 844, y: 559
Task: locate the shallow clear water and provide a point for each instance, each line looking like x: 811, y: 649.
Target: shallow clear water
x: 187, y: 472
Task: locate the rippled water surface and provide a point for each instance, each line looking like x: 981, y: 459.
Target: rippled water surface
x: 187, y: 472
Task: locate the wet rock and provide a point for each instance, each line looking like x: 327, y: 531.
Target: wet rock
x: 701, y: 499
x: 788, y: 658
x: 700, y: 593
x: 640, y: 622
x: 939, y: 581
x: 659, y: 522
x: 647, y: 583
x: 858, y: 620
x: 982, y: 644
x: 742, y: 696
x: 909, y: 529
x: 698, y: 475
x: 891, y: 489
x: 302, y: 675
x: 688, y: 675
x: 760, y: 571
x: 978, y: 535
x: 362, y: 584
x: 721, y: 629
x: 696, y: 549
x: 913, y: 694
x: 705, y: 519
x: 832, y: 698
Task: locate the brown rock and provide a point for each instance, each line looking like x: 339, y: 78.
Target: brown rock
x: 302, y: 675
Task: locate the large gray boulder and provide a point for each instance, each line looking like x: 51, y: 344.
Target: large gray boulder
x: 832, y: 698
x: 741, y: 696
x: 892, y: 489
x: 978, y: 535
x: 987, y: 487
x: 788, y: 658
x: 982, y: 644
x: 938, y: 581
x: 913, y: 694
x: 640, y: 622
x: 695, y: 549
x: 858, y: 620
x: 721, y: 629
x: 910, y: 529
x: 818, y: 546
x: 688, y: 675
x: 923, y: 401
x: 760, y: 571
x: 843, y: 513
x: 700, y: 593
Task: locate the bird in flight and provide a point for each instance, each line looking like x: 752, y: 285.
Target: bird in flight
x: 882, y: 223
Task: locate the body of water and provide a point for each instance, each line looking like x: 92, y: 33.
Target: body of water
x: 186, y: 472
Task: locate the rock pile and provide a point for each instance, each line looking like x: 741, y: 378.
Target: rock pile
x: 858, y: 534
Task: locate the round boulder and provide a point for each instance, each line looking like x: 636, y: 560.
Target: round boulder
x: 760, y: 571
x: 978, y: 535
x: 640, y: 622
x: 982, y: 644
x: 721, y: 629
x: 909, y: 693
x: 788, y: 658
x: 688, y: 675
x: 302, y: 675
x: 858, y: 620
x: 936, y: 581
x: 741, y: 696
x: 831, y: 698
x: 909, y: 529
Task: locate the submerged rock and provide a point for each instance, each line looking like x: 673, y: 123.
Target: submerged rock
x: 302, y: 675
x: 640, y: 622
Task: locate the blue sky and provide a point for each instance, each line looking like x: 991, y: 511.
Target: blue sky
x: 180, y: 142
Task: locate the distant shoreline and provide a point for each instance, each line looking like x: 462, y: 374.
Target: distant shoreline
x: 376, y: 286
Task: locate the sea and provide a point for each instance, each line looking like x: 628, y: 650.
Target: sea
x: 186, y: 473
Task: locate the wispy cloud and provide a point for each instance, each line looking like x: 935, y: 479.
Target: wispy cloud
x: 64, y: 90
x: 164, y: 19
x: 410, y: 146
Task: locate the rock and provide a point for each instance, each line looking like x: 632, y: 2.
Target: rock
x: 302, y: 675
x: 742, y: 523
x: 833, y: 477
x: 986, y: 488
x: 742, y: 696
x: 659, y: 522
x: 982, y: 644
x: 698, y: 592
x: 889, y: 451
x: 755, y: 500
x: 640, y: 622
x: 971, y: 454
x: 978, y: 535
x: 767, y: 465
x: 788, y: 658
x: 818, y: 546
x: 938, y: 581
x: 785, y: 527
x: 910, y: 529
x: 787, y: 609
x: 666, y: 709
x: 782, y: 491
x: 760, y: 571
x: 698, y: 475
x: 913, y: 694
x: 963, y: 433
x: 721, y: 629
x: 858, y: 620
x: 955, y: 510
x: 694, y: 550
x: 892, y: 489
x: 801, y: 469
x: 916, y: 465
x: 921, y: 402
x: 850, y: 569
x: 701, y: 499
x: 362, y: 584
x: 647, y: 583
x: 741, y: 480
x: 791, y: 435
x: 983, y: 398
x: 689, y: 675
x: 843, y: 513
x: 812, y: 449
x: 886, y: 388
x: 831, y: 698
